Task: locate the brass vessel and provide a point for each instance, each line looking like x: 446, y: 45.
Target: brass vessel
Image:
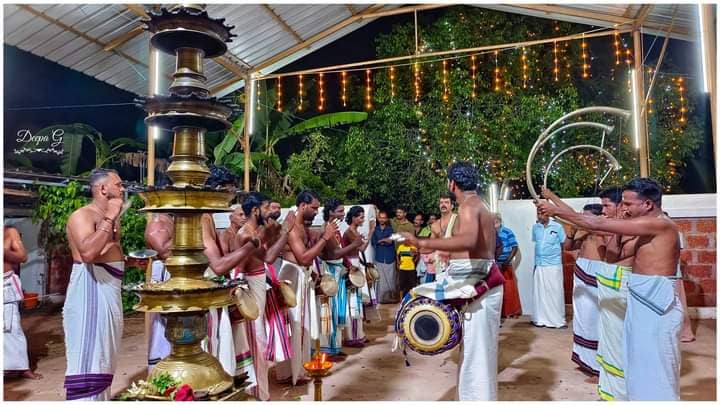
x: 191, y: 35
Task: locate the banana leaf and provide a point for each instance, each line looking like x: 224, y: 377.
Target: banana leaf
x: 327, y: 121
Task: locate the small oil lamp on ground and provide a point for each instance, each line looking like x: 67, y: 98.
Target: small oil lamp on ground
x: 317, y: 368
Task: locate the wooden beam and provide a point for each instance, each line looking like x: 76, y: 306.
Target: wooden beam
x: 282, y: 23
x: 123, y: 38
x: 643, y: 14
x: 315, y: 38
x: 485, y: 48
x: 78, y: 33
x: 138, y: 9
x: 18, y: 193
x: 609, y: 19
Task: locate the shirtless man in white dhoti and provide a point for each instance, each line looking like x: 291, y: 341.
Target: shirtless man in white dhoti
x: 335, y: 263
x: 15, y: 350
x: 92, y: 314
x: 256, y: 208
x: 159, y: 236
x: 612, y: 281
x: 654, y: 311
x: 304, y: 321
x: 472, y: 247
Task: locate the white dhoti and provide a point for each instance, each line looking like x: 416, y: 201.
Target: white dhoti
x: 15, y: 354
x: 477, y: 368
x: 331, y: 342
x: 256, y: 333
x: 158, y: 345
x: 651, y: 342
x: 549, y: 296
x: 93, y: 325
x: 354, y: 334
x: 612, y: 299
x: 277, y: 324
x: 368, y: 294
x: 586, y: 315
x: 302, y: 329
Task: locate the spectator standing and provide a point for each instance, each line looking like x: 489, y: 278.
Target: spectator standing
x: 508, y: 249
x: 385, y: 260
x: 400, y: 222
x: 548, y: 292
x: 407, y: 259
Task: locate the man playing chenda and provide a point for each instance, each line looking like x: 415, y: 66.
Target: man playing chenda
x: 472, y: 252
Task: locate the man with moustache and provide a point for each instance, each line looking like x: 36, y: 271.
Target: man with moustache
x: 300, y: 254
x: 654, y: 314
x: 443, y: 228
x: 256, y: 208
x: 335, y: 263
x: 471, y: 272
x: 387, y: 291
x: 92, y: 314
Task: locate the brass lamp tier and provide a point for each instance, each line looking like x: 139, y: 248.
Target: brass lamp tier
x: 188, y: 27
x: 191, y: 36
x: 189, y: 199
x: 187, y: 111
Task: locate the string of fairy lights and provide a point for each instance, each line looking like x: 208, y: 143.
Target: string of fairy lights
x: 497, y: 81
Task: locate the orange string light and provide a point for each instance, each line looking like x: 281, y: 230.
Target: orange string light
x: 279, y: 94
x: 259, y: 93
x: 417, y: 82
x: 683, y: 110
x: 445, y: 82
x: 473, y: 69
x: 392, y: 82
x: 616, y: 42
x: 497, y: 73
x: 368, y: 90
x: 585, y: 57
x: 525, y: 70
x: 344, y: 87
x: 321, y: 92
x: 556, y: 70
x: 300, y: 92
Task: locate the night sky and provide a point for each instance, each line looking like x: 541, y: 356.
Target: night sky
x: 32, y: 82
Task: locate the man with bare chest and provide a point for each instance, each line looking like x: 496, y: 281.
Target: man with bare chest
x: 92, y: 314
x: 15, y: 348
x: 296, y: 261
x: 654, y: 313
x: 158, y: 236
x: 334, y: 262
x: 472, y: 252
x: 273, y: 238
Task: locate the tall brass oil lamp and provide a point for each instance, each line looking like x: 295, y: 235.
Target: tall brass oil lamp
x: 188, y: 33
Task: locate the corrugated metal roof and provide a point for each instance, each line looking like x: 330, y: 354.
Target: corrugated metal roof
x: 75, y: 35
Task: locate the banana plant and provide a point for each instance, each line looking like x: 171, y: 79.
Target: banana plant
x: 271, y: 126
x: 106, y: 152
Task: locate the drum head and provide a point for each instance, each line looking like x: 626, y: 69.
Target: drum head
x: 356, y: 277
x: 427, y: 327
x: 246, y: 304
x: 328, y: 285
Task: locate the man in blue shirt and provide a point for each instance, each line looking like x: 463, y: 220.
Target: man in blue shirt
x: 385, y: 260
x: 507, y: 249
x: 548, y: 293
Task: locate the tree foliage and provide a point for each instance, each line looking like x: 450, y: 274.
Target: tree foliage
x: 434, y: 112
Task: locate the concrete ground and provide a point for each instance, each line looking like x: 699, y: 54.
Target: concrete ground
x: 534, y: 364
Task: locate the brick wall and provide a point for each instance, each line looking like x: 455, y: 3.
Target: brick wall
x: 697, y: 262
